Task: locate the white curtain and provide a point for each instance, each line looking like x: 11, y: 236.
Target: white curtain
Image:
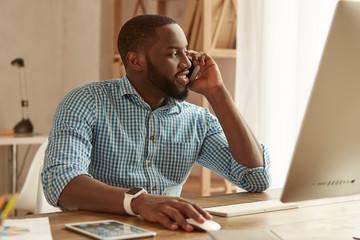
x: 279, y: 46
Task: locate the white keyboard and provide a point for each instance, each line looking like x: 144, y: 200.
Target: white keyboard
x: 250, y: 208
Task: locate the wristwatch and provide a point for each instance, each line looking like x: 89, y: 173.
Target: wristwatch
x: 129, y: 196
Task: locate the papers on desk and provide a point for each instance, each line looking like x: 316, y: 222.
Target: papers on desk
x: 26, y: 229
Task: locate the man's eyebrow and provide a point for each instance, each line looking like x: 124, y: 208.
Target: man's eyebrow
x: 176, y: 47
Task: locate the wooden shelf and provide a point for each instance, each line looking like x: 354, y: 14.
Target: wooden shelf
x: 223, y: 53
x: 210, y: 26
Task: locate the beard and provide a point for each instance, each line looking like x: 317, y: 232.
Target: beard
x: 164, y: 83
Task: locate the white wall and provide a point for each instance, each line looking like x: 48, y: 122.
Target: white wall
x: 63, y: 44
x: 30, y: 30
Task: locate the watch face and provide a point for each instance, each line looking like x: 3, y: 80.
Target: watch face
x: 134, y: 191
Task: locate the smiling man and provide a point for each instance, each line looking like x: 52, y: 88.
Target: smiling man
x: 128, y: 145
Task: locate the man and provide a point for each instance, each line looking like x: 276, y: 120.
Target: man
x: 112, y: 136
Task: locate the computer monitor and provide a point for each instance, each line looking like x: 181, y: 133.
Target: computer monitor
x: 326, y: 159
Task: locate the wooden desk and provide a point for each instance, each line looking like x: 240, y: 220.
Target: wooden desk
x: 320, y: 219
x: 13, y: 142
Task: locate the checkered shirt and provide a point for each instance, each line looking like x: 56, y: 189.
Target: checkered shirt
x: 107, y: 131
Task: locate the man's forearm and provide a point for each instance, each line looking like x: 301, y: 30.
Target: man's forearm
x: 86, y: 193
x: 244, y: 147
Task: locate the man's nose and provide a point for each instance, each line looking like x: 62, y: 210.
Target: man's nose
x: 185, y: 62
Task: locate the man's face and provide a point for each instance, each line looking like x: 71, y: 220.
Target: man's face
x: 167, y: 62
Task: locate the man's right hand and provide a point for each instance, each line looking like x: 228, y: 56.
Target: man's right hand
x: 171, y: 212
x: 84, y: 192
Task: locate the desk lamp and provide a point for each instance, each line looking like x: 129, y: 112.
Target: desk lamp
x: 24, y: 127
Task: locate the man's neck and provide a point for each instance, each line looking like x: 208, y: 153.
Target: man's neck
x: 155, y: 98
x: 154, y: 103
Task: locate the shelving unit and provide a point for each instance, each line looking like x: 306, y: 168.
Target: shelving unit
x: 210, y: 26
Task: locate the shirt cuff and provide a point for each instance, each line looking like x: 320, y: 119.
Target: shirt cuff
x: 257, y: 179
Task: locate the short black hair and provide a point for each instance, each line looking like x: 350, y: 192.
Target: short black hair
x: 139, y: 33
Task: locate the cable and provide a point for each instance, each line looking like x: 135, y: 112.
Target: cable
x: 20, y: 172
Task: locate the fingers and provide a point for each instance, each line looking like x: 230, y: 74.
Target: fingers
x: 172, y: 212
x: 198, y: 57
x: 176, y: 215
x: 202, y: 212
x: 166, y: 222
x: 192, y: 210
x: 169, y: 217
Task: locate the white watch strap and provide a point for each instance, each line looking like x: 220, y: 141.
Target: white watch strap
x: 127, y: 205
x: 129, y: 197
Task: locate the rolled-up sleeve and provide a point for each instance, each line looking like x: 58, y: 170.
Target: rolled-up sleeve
x: 255, y: 179
x: 216, y: 156
x: 68, y: 153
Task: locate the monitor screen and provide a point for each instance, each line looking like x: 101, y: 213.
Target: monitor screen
x: 326, y: 159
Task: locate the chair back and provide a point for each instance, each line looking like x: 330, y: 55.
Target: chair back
x: 31, y: 197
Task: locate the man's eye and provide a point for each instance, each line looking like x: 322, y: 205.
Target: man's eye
x: 173, y: 54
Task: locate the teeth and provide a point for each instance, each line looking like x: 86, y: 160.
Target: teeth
x: 182, y: 79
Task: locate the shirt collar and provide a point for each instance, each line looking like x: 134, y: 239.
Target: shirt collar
x: 173, y: 106
x: 126, y: 88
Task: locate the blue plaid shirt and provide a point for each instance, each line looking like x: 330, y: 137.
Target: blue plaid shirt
x: 105, y: 130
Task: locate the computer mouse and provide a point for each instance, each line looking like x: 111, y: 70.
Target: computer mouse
x: 208, y: 225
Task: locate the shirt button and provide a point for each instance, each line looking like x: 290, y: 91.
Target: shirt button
x: 151, y: 138
x: 250, y: 171
x: 154, y: 188
x: 149, y: 164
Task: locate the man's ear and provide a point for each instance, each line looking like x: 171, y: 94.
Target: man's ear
x: 135, y: 61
